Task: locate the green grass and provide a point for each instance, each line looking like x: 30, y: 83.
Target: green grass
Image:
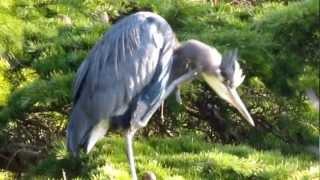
x: 185, y: 157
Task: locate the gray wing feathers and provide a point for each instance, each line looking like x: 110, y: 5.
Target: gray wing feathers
x: 80, y: 75
x: 116, y: 70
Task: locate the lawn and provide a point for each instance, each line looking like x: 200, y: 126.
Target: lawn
x: 185, y: 157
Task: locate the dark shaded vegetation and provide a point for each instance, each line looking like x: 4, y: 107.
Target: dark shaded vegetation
x: 42, y: 43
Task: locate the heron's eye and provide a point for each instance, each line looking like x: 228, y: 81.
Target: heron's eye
x: 227, y: 82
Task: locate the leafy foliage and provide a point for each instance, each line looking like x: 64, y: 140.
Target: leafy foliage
x: 5, y: 84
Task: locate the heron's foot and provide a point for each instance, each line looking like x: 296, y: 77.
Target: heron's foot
x: 149, y: 176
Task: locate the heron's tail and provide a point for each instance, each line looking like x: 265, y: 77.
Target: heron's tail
x: 83, y: 131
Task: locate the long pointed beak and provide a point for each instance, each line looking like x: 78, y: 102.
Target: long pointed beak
x: 239, y: 105
x: 228, y: 94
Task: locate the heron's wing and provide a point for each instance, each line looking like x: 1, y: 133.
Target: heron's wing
x: 123, y: 63
x: 79, y: 80
x: 118, y: 68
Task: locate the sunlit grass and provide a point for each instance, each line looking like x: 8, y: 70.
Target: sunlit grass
x: 185, y: 157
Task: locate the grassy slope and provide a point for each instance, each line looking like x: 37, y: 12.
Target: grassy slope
x: 185, y: 157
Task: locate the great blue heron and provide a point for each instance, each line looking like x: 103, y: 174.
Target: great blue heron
x: 130, y: 72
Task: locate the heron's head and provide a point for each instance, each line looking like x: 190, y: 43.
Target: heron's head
x: 222, y: 73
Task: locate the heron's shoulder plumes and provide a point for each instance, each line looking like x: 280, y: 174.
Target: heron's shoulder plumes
x: 231, y: 69
x: 132, y: 38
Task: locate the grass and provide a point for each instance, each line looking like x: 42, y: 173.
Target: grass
x: 184, y: 157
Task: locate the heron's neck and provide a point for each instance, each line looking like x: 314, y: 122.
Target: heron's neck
x: 197, y: 55
x: 192, y: 49
x: 184, y: 61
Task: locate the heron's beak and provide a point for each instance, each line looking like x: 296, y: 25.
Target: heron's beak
x: 228, y: 94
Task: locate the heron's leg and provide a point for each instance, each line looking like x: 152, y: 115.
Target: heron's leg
x: 178, y: 95
x: 162, y: 109
x: 129, y: 145
x: 145, y: 119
